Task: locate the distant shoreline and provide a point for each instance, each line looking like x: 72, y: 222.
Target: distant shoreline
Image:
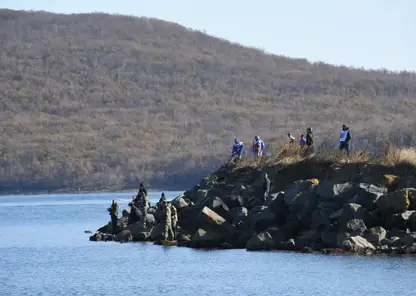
x: 44, y: 192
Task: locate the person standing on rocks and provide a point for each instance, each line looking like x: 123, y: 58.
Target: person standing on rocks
x: 344, y: 139
x: 113, y: 210
x: 142, y: 191
x: 143, y: 204
x: 302, y: 141
x: 168, y: 233
x: 292, y: 139
x: 238, y: 149
x: 160, y: 207
x: 309, y: 138
x: 174, y: 219
x: 258, y: 146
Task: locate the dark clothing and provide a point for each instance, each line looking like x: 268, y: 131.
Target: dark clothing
x: 114, y: 223
x: 113, y: 210
x: 309, y: 139
x: 142, y: 192
x: 344, y: 146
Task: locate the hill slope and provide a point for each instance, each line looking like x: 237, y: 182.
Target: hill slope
x: 98, y: 101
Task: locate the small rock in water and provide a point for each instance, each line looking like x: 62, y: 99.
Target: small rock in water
x: 87, y: 231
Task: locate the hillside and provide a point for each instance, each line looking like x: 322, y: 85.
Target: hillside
x: 96, y: 101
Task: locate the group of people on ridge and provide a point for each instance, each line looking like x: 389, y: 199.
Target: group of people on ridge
x: 165, y: 212
x: 258, y: 144
x: 257, y: 148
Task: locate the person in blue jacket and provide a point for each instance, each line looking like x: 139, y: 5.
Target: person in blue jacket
x: 238, y: 149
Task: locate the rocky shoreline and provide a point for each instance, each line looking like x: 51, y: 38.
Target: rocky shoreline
x: 308, y: 206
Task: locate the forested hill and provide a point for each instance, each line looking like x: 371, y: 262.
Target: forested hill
x: 97, y: 101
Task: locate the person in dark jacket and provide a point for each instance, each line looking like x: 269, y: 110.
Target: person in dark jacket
x: 113, y: 211
x: 344, y: 139
x: 309, y: 137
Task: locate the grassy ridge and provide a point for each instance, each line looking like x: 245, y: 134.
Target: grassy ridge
x: 96, y: 101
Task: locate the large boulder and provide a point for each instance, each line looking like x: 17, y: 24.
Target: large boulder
x: 277, y: 206
x: 235, y: 201
x: 238, y: 215
x: 205, y: 239
x: 261, y: 218
x: 323, y: 213
x: 367, y: 194
x: 125, y: 213
x: 180, y: 202
x: 375, y: 235
x: 261, y: 241
x: 412, y: 198
x: 331, y: 190
x: 394, y: 202
x: 307, y: 239
x: 399, y: 221
x: 208, y: 219
x: 351, y: 211
x: 412, y: 222
x: 99, y: 236
x: 124, y: 236
x: 353, y: 227
x: 358, y: 244
x: 293, y: 191
x: 200, y: 195
x: 157, y: 232
x: 219, y: 206
x: 138, y: 232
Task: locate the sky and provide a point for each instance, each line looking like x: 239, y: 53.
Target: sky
x: 360, y: 33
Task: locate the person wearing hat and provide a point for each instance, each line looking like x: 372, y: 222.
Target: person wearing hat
x: 344, y: 139
x: 113, y: 211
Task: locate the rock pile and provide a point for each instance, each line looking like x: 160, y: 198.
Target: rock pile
x: 246, y: 209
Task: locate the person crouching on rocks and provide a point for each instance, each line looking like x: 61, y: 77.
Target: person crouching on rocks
x: 168, y: 233
x: 113, y: 211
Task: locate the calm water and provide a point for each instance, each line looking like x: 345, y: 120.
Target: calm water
x: 44, y: 251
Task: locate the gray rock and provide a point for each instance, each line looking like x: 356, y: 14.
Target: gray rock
x: 394, y: 202
x: 294, y: 190
x: 400, y: 221
x: 261, y: 241
x: 124, y: 236
x: 331, y: 190
x: 354, y: 227
x: 261, y: 218
x: 376, y: 236
x: 412, y: 222
x: 208, y: 219
x: 235, y: 201
x: 218, y: 205
x: 367, y: 195
x: 205, y: 239
x: 358, y: 244
x: 351, y: 211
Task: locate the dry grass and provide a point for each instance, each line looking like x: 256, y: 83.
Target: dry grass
x: 399, y: 155
x: 99, y: 101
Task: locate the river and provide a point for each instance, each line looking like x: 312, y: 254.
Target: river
x: 44, y: 251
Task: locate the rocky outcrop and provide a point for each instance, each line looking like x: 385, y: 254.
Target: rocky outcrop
x: 266, y: 209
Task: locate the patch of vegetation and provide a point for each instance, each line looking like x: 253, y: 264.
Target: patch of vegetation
x: 97, y: 101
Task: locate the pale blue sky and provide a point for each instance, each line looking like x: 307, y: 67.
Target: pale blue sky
x: 367, y: 33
